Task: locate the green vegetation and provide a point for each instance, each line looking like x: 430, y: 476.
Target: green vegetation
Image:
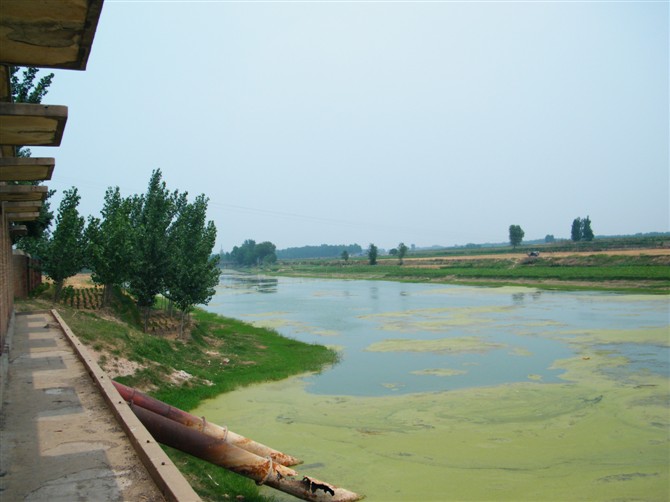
x: 515, y: 235
x: 372, y: 254
x: 612, y: 272
x: 322, y: 251
x: 251, y: 254
x: 222, y: 355
x: 63, y: 255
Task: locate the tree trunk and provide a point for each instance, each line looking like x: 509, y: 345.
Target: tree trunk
x: 181, y: 325
x: 58, y: 288
x: 146, y: 318
x: 106, y: 295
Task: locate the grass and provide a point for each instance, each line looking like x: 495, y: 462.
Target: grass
x: 221, y: 355
x: 619, y: 273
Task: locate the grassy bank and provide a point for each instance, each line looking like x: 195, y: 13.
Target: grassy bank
x: 629, y: 273
x: 220, y: 355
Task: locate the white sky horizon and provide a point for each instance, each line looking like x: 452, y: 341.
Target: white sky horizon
x: 438, y: 123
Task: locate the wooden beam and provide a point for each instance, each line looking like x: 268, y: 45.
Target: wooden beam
x: 28, y: 206
x: 22, y: 193
x: 23, y: 216
x: 28, y: 124
x: 26, y: 168
x: 48, y: 33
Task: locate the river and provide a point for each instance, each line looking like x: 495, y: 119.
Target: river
x: 462, y: 393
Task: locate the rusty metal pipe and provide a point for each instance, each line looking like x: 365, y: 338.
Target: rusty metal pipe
x: 220, y: 452
x: 200, y: 424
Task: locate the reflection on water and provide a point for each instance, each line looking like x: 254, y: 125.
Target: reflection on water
x: 493, y: 427
x: 248, y: 283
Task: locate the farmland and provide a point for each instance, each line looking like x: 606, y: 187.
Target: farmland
x: 622, y: 270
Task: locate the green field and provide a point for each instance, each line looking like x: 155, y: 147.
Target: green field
x: 640, y: 273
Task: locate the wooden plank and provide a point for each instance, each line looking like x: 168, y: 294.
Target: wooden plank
x: 28, y: 124
x: 26, y: 168
x: 48, y: 33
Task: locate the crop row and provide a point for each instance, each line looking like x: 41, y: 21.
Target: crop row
x: 82, y: 298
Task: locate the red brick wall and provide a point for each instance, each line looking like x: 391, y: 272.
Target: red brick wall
x: 6, y: 283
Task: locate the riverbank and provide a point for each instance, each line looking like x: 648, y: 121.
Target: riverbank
x: 641, y: 271
x: 220, y: 355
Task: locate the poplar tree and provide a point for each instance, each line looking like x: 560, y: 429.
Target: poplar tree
x: 587, y: 232
x: 110, y: 243
x: 151, y: 215
x: 516, y: 234
x: 193, y: 272
x: 372, y: 254
x: 576, y: 230
x: 64, y: 253
x: 402, y: 251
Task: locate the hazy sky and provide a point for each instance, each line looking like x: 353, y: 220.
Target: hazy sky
x: 377, y: 122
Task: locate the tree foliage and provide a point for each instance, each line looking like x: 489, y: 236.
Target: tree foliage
x: 64, y: 253
x: 151, y: 216
x: 576, y: 230
x: 515, y: 235
x: 111, y: 243
x: 372, y: 254
x: 402, y: 252
x: 251, y: 254
x: 193, y: 272
x: 24, y: 89
x: 322, y: 251
x: 581, y: 230
x: 587, y: 232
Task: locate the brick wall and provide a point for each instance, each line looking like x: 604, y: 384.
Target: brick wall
x: 6, y: 282
x: 26, y: 274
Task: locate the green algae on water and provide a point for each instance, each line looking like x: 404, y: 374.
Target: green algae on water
x: 588, y: 440
x: 442, y: 372
x: 462, y: 345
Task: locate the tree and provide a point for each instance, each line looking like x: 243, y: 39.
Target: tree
x: 193, y: 272
x: 345, y: 255
x: 251, y: 254
x: 64, y: 254
x: 265, y: 253
x: 515, y: 235
x: 402, y: 252
x: 151, y: 215
x: 576, y: 230
x: 110, y: 243
x: 587, y: 232
x: 372, y: 254
x: 25, y: 90
x: 549, y: 238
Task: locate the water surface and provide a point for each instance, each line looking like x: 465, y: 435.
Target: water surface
x: 460, y: 393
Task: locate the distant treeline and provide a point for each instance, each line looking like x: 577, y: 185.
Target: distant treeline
x: 322, y: 251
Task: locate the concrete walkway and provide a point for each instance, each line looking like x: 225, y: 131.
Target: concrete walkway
x: 59, y: 440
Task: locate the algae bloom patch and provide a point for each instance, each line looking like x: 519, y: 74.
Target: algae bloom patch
x: 461, y: 345
x: 442, y: 372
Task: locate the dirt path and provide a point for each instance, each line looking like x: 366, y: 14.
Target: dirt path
x: 59, y: 439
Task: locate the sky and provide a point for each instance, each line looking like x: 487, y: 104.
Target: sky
x: 338, y: 122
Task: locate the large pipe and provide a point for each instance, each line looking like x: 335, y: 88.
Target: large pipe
x: 216, y: 431
x: 220, y: 452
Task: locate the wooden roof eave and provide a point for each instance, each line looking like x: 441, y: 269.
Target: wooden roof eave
x: 28, y: 124
x: 48, y: 33
x: 26, y: 168
x: 22, y: 193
